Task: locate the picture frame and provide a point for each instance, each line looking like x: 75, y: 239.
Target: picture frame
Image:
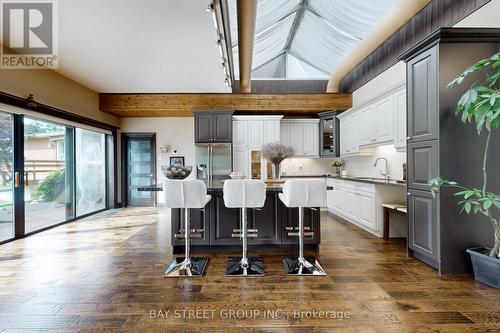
x: 177, y: 160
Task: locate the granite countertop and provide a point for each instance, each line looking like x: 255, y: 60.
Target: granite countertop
x: 216, y: 187
x: 369, y: 180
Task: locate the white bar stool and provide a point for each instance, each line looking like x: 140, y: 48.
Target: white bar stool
x: 303, y: 194
x: 186, y: 194
x: 243, y: 194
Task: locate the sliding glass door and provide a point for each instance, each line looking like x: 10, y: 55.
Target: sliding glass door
x: 51, y: 173
x: 48, y: 175
x: 6, y: 177
x: 90, y: 171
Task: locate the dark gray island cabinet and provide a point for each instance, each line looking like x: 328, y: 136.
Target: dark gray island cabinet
x: 274, y: 222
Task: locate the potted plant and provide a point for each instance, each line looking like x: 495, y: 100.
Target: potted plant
x: 480, y: 104
x: 276, y: 153
x: 337, y: 164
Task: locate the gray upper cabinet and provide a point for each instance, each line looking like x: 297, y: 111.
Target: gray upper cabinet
x: 423, y: 161
x: 213, y: 126
x: 423, y: 115
x: 329, y: 134
x: 423, y: 224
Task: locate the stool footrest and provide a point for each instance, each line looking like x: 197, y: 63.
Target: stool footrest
x: 296, y: 228
x: 249, y: 235
x: 306, y: 234
x: 194, y: 233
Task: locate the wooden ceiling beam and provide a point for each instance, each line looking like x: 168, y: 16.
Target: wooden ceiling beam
x: 181, y: 105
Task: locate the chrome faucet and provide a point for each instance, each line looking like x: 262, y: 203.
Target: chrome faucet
x: 386, y: 173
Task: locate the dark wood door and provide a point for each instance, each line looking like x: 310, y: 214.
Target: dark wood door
x: 223, y: 128
x: 199, y: 219
x: 290, y: 219
x: 422, y: 164
x: 204, y: 126
x: 423, y: 113
x: 264, y: 220
x: 140, y: 168
x: 423, y: 230
x: 224, y: 221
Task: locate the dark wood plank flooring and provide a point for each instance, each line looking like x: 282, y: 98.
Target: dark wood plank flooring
x: 104, y: 274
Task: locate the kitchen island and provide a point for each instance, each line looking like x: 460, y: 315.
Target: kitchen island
x: 274, y: 221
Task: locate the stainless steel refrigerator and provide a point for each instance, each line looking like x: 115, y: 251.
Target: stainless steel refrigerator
x: 213, y: 161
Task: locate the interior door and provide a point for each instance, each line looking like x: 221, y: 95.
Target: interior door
x: 141, y: 168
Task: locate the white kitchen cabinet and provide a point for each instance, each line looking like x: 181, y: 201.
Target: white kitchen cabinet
x: 271, y: 131
x: 240, y: 133
x: 302, y: 135
x: 249, y: 134
x: 366, y: 126
x: 241, y: 161
x: 379, y: 121
x: 361, y: 203
x: 367, y: 209
x: 400, y: 120
x: 255, y: 133
x: 297, y: 138
x: 383, y: 120
x: 311, y: 137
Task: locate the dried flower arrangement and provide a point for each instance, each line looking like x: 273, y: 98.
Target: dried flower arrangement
x: 276, y: 152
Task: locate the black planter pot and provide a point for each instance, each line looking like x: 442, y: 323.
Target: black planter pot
x: 486, y: 268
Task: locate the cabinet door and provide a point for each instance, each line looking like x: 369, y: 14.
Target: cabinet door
x: 423, y: 164
x: 199, y: 220
x: 255, y: 136
x: 223, y: 128
x: 240, y: 160
x: 383, y: 120
x: 423, y: 223
x: 297, y: 138
x: 367, y: 210
x: 266, y: 221
x: 290, y: 219
x: 204, y: 124
x: 352, y: 207
x: 353, y: 127
x: 423, y: 113
x: 400, y: 120
x: 366, y: 126
x: 285, y: 134
x: 343, y: 136
x: 271, y: 131
x: 311, y: 139
x: 240, y: 133
x: 225, y: 220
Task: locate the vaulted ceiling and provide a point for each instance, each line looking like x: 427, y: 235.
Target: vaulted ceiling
x: 306, y: 39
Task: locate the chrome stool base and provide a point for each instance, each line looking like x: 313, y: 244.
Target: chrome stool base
x: 306, y: 266
x: 182, y: 268
x: 255, y: 267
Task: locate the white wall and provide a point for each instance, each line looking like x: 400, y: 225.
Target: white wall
x: 178, y: 133
x: 486, y: 16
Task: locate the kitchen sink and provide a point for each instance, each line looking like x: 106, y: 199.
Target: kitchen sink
x: 376, y: 179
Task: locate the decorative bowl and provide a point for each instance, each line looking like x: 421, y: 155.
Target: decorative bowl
x: 176, y: 171
x: 236, y: 175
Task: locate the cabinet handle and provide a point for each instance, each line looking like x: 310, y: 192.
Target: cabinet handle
x: 408, y: 137
x: 408, y: 194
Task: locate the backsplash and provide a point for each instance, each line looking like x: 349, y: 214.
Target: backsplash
x: 355, y: 165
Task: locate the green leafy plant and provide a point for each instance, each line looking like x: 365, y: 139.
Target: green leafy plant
x: 479, y: 104
x: 46, y: 190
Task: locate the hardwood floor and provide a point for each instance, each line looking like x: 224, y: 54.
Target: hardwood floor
x: 104, y: 274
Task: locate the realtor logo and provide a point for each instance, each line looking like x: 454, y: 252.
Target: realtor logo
x: 29, y: 34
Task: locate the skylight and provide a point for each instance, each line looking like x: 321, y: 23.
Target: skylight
x: 305, y: 39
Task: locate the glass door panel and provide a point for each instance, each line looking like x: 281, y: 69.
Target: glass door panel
x: 6, y: 177
x: 90, y: 171
x: 48, y: 174
x: 141, y: 173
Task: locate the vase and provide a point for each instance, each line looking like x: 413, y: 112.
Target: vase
x: 276, y: 171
